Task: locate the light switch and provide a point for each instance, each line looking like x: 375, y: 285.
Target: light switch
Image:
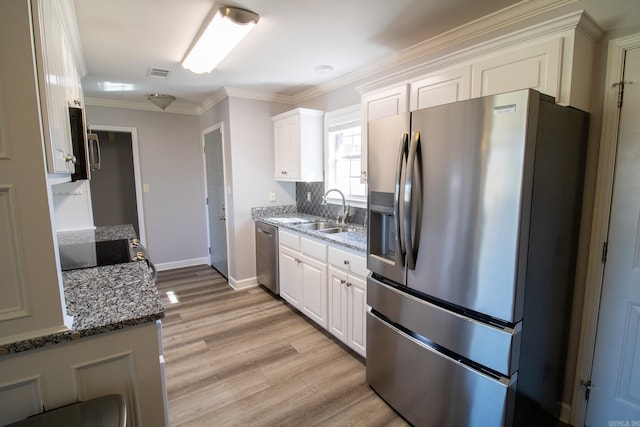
x: 145, y: 188
x: 272, y: 196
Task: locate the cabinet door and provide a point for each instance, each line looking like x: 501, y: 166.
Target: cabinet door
x: 287, y: 148
x: 357, y: 314
x: 377, y: 105
x: 290, y: 286
x: 72, y: 78
x: 314, y: 292
x: 52, y: 76
x: 338, y: 304
x: 536, y: 66
x: 440, y: 88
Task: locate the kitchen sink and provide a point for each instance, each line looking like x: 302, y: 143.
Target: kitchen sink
x: 325, y: 227
x: 319, y: 225
x: 334, y: 230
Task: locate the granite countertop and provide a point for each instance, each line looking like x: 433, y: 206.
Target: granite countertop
x: 102, y: 299
x: 288, y: 218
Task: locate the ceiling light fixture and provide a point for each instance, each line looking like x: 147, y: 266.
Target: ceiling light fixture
x: 323, y: 69
x: 161, y: 100
x: 223, y: 29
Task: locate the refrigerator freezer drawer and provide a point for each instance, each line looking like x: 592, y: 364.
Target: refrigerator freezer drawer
x: 430, y: 389
x: 495, y: 347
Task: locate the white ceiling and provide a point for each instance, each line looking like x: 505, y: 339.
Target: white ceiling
x: 121, y: 39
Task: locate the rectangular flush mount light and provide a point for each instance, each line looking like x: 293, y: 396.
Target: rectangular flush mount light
x: 224, y: 28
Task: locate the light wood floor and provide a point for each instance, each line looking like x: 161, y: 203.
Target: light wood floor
x: 247, y: 358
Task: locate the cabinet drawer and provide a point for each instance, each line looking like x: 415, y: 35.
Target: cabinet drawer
x: 313, y: 249
x: 289, y: 239
x: 351, y: 262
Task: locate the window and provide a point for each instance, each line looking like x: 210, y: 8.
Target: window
x: 342, y: 153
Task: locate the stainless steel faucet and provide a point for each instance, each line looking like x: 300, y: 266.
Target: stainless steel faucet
x: 345, y: 207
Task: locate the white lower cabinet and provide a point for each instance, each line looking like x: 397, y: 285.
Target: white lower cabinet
x: 348, y: 298
x: 127, y: 362
x: 326, y: 284
x: 303, y: 275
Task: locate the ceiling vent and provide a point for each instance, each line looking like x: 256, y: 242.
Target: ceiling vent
x: 157, y: 73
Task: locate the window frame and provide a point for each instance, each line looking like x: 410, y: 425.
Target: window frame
x: 338, y: 118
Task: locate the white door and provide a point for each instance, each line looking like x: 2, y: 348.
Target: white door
x: 338, y: 297
x: 290, y: 282
x: 314, y: 289
x: 215, y: 200
x: 358, y: 314
x: 615, y: 394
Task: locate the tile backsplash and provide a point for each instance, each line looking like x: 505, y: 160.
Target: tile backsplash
x: 314, y: 207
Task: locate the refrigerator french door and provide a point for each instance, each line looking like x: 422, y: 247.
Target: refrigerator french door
x: 472, y: 245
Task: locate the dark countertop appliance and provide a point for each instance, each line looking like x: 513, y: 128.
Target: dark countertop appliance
x: 74, y: 256
x: 472, y: 247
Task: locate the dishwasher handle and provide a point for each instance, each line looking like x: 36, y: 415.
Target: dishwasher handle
x: 260, y: 230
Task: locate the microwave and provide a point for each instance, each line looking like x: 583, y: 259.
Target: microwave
x: 86, y: 147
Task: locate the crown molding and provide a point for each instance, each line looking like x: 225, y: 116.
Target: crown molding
x: 112, y: 103
x: 258, y: 95
x: 477, y: 29
x: 211, y: 101
x: 255, y: 95
x: 414, y: 65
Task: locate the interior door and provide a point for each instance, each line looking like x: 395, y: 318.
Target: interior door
x: 615, y: 392
x: 113, y: 187
x: 215, y: 200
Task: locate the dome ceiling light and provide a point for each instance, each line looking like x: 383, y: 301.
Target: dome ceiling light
x: 161, y: 100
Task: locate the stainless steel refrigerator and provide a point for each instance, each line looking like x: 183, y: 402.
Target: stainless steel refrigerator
x: 474, y: 214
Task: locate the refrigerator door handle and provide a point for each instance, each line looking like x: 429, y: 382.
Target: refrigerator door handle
x: 398, y: 223
x: 411, y: 189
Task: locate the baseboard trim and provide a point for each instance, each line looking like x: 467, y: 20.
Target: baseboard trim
x: 252, y: 282
x: 565, y: 412
x: 182, y: 263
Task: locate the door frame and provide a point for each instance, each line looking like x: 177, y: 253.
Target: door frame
x: 135, y: 148
x: 600, y: 220
x: 208, y: 130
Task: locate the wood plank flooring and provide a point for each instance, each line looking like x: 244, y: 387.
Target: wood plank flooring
x: 246, y: 358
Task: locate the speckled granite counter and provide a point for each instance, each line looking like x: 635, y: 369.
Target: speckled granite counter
x: 100, y: 234
x: 355, y: 238
x: 102, y: 299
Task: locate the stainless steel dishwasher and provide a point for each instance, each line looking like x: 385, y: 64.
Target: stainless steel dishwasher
x: 267, y: 256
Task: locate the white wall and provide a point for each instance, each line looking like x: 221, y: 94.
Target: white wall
x: 248, y: 138
x: 171, y: 164
x: 252, y: 150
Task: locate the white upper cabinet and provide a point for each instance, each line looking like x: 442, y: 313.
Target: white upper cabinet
x: 385, y: 103
x: 537, y: 66
x: 59, y: 82
x: 441, y: 87
x: 554, y: 57
x: 376, y: 105
x: 297, y: 138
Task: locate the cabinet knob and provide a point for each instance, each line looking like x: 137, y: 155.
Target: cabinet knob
x: 342, y: 281
x: 76, y: 102
x: 346, y: 262
x: 70, y: 158
x: 283, y: 172
x: 221, y: 218
x: 348, y: 284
